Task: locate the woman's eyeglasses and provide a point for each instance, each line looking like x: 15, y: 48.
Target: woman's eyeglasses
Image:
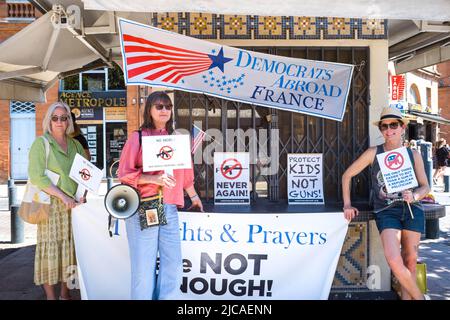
x: 159, y: 107
x: 62, y: 118
x: 392, y: 125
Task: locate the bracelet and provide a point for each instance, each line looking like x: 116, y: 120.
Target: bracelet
x: 194, y: 196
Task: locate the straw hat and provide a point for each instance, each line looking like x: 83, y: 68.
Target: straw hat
x: 391, y: 113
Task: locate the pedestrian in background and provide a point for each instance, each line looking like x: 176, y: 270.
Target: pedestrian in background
x: 442, y: 154
x: 78, y: 135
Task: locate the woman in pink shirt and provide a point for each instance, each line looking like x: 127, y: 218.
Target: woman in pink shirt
x: 146, y: 242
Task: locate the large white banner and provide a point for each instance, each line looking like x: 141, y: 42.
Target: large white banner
x: 226, y: 256
x: 157, y: 57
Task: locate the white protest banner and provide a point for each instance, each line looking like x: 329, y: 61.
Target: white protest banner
x: 103, y: 262
x: 161, y: 58
x: 166, y: 152
x: 398, y: 172
x: 86, y: 174
x: 225, y: 256
x: 305, y: 181
x: 231, y: 178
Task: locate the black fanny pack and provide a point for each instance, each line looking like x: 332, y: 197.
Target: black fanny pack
x: 151, y: 212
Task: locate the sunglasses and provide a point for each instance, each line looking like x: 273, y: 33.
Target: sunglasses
x: 159, y: 107
x: 392, y: 125
x: 62, y: 118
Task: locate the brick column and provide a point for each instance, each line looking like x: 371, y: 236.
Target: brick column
x: 133, y: 109
x: 3, y: 9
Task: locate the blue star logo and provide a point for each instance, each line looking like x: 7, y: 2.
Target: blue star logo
x: 219, y: 60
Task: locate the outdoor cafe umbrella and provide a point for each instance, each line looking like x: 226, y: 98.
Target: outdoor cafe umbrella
x: 32, y: 59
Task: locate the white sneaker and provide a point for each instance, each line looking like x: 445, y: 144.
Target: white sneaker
x: 427, y: 297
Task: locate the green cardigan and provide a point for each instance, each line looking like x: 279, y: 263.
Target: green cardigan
x: 58, y: 162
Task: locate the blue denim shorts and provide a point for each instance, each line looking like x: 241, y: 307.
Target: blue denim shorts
x: 398, y: 217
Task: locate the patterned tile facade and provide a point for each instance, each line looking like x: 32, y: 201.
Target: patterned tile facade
x: 351, y: 272
x: 235, y: 27
x: 214, y: 26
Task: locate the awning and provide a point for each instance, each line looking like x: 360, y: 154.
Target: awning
x: 431, y: 117
x: 437, y: 10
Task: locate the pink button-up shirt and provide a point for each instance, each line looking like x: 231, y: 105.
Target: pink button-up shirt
x: 130, y: 170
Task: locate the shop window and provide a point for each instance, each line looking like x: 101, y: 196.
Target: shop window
x: 115, y: 78
x: 71, y: 83
x: 116, y: 136
x: 429, y: 99
x: 414, y: 95
x: 93, y: 82
x: 93, y: 135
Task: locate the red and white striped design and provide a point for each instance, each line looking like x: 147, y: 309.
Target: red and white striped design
x: 155, y: 61
x: 397, y: 87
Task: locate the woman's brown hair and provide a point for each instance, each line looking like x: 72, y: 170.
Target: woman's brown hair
x: 156, y: 98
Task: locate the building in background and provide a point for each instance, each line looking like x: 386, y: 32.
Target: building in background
x: 98, y: 99
x: 416, y: 94
x: 444, y: 98
x: 18, y: 120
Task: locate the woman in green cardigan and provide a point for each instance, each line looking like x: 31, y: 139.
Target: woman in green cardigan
x: 55, y: 252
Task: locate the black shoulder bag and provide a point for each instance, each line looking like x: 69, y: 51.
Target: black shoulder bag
x: 151, y: 211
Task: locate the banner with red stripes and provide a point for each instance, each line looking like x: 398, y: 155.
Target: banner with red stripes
x: 160, y: 58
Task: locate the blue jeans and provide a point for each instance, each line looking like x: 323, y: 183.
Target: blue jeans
x: 398, y: 217
x: 144, y: 246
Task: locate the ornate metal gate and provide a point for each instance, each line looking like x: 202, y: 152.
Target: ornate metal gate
x: 340, y: 142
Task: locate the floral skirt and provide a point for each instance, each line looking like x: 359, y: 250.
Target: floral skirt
x: 55, y: 249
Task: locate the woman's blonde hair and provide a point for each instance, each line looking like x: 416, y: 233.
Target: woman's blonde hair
x: 46, y: 123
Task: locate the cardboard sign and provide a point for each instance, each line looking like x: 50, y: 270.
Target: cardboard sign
x: 305, y: 181
x: 397, y: 170
x: 231, y: 178
x: 86, y: 174
x: 166, y: 152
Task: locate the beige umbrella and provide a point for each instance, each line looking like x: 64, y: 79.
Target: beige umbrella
x: 32, y: 59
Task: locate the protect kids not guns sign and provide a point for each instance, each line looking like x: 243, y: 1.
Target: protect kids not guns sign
x: 161, y: 58
x: 397, y: 169
x: 305, y: 182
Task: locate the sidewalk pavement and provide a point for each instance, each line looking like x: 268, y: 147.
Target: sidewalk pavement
x: 17, y: 260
